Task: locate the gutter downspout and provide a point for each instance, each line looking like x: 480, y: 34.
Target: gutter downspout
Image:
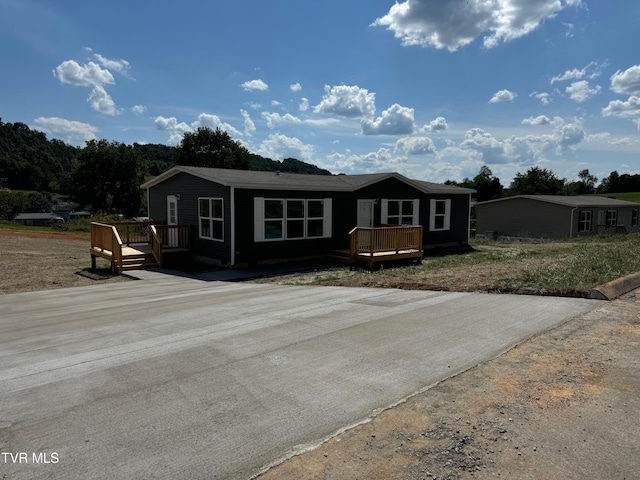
x: 571, y: 223
x: 232, y: 196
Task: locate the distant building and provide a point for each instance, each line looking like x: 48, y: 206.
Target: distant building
x: 555, y: 216
x: 39, y: 219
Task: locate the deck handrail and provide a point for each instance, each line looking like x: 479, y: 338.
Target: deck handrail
x: 133, y: 232
x: 106, y: 237
x: 156, y: 245
x: 372, y: 240
x: 174, y: 235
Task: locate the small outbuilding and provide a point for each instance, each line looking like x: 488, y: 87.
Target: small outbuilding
x: 555, y: 216
x: 239, y: 217
x: 39, y: 219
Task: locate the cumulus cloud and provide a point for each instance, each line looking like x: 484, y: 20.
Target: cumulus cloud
x: 88, y: 75
x: 101, y: 102
x: 255, y: 85
x: 69, y: 131
x: 396, y: 120
x: 537, y: 121
x: 503, y: 96
x: 213, y: 122
x: 453, y: 24
x: 120, y: 66
x: 138, y: 109
x: 544, y: 97
x: 347, y: 101
x: 581, y: 91
x: 625, y: 109
x: 249, y: 126
x: 415, y: 146
x: 437, y: 125
x: 627, y: 82
x: 295, y: 87
x: 274, y: 119
x: 304, y: 105
x: 279, y: 147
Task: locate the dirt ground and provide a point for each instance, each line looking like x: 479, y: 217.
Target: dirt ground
x: 563, y: 405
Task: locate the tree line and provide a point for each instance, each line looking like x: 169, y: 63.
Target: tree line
x: 541, y: 181
x: 104, y: 176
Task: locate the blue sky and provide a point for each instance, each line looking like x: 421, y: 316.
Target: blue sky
x: 433, y: 89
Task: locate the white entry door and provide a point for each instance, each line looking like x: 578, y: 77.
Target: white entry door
x: 365, y: 213
x: 172, y: 219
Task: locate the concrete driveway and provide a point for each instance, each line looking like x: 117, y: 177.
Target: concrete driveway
x: 178, y: 378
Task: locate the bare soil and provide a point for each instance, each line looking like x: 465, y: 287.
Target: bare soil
x: 562, y: 405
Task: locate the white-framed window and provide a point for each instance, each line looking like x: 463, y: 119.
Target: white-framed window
x: 440, y: 215
x: 584, y: 222
x: 634, y: 217
x: 400, y: 212
x: 291, y: 218
x: 612, y: 218
x: 211, y: 218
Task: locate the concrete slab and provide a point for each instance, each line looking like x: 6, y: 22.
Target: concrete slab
x: 173, y: 377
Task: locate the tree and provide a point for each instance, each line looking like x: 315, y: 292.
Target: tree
x: 215, y: 149
x: 108, y: 176
x: 486, y: 185
x: 584, y: 186
x: 537, y: 181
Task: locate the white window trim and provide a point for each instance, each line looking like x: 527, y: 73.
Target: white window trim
x: 259, y: 219
x: 588, y: 221
x: 211, y: 219
x: 384, y: 209
x: 447, y: 215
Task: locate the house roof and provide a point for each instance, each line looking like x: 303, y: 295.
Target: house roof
x: 36, y: 216
x: 573, y: 201
x: 297, y: 181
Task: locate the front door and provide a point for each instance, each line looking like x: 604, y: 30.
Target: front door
x: 172, y: 219
x: 365, y: 213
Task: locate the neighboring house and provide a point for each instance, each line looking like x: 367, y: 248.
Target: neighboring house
x: 39, y: 219
x: 246, y: 217
x: 555, y: 216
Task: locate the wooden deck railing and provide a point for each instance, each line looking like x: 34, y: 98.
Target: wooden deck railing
x: 133, y: 232
x: 156, y: 244
x: 381, y: 241
x: 176, y: 236
x: 107, y: 239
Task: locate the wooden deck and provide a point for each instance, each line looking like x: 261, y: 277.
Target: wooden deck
x: 136, y: 245
x: 381, y: 244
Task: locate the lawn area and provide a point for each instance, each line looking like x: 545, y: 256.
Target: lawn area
x: 571, y: 267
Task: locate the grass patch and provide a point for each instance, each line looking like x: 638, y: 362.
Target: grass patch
x: 626, y: 196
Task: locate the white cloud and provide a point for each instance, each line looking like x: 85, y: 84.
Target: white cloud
x: 101, y: 102
x: 437, y: 125
x: 347, y: 101
x: 70, y: 131
x: 279, y: 147
x: 139, y: 109
x: 503, y: 96
x: 396, y: 120
x: 537, y: 121
x: 628, y: 109
x: 255, y: 85
x: 249, y: 126
x: 590, y: 71
x: 88, y: 75
x: 581, y: 91
x: 415, y: 146
x: 120, y: 66
x: 304, y: 105
x: 295, y: 87
x: 627, y: 82
x: 213, y: 122
x: 274, y: 119
x: 544, y: 97
x: 455, y: 23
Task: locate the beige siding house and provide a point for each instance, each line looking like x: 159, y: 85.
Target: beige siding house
x: 555, y: 216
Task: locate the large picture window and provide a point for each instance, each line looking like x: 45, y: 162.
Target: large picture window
x: 211, y: 218
x: 291, y: 219
x: 400, y: 212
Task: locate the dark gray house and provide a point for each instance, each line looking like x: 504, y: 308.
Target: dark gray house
x: 555, y: 216
x: 246, y: 217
